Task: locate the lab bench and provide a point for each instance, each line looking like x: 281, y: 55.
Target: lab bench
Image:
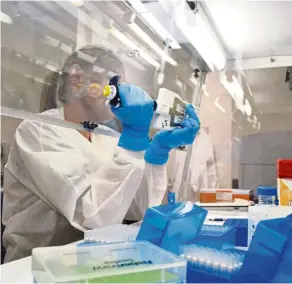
x: 19, y: 271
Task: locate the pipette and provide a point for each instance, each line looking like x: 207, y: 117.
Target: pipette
x: 111, y: 92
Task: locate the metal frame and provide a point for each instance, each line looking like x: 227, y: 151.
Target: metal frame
x: 197, y: 103
x: 260, y: 62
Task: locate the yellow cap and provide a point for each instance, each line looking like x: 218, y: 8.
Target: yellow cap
x: 106, y: 91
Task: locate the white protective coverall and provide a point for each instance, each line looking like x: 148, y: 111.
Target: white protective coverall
x: 58, y: 184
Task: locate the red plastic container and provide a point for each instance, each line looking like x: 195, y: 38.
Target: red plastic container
x: 284, y: 174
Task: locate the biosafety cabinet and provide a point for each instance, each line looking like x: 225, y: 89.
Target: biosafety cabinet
x: 231, y: 60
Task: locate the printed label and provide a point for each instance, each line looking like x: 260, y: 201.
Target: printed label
x: 178, y: 119
x: 121, y: 263
x: 180, y: 108
x: 224, y: 196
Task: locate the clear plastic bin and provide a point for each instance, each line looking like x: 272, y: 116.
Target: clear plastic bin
x: 130, y: 262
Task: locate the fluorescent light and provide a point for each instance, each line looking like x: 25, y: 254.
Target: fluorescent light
x: 163, y: 53
x: 67, y: 48
x: 134, y: 63
x: 5, y: 18
x: 248, y: 87
x: 160, y: 78
x: 235, y: 91
x: 85, y: 19
x: 106, y: 44
x: 98, y: 69
x: 77, y: 3
x: 179, y: 83
x: 153, y: 23
x: 51, y: 41
x: 218, y: 105
x: 255, y: 119
x: 125, y: 40
x: 51, y: 67
x: 206, y: 93
x: 193, y: 81
x: 206, y: 45
x: 230, y: 22
x: 138, y: 6
x: 86, y: 57
x: 199, y: 32
x: 36, y: 79
x: 247, y: 108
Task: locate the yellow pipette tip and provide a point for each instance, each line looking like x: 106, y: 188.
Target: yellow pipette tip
x: 106, y: 91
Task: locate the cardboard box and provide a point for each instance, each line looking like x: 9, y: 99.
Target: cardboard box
x: 214, y: 195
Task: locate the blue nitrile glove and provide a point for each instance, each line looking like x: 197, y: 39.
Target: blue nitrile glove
x: 135, y: 114
x: 165, y: 140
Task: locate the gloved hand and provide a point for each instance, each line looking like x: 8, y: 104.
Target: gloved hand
x: 165, y: 140
x: 135, y: 114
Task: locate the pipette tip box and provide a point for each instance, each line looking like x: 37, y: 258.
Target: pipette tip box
x: 219, y: 237
x: 210, y: 265
x: 129, y: 262
x: 173, y: 225
x: 111, y: 234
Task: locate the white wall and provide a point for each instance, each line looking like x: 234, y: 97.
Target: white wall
x: 276, y: 122
x: 241, y: 127
x: 229, y: 126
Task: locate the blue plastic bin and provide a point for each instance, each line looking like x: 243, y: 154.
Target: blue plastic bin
x: 173, y: 225
x: 284, y: 269
x: 241, y: 227
x: 270, y: 252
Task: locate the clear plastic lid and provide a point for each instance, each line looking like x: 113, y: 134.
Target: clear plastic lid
x: 118, y: 262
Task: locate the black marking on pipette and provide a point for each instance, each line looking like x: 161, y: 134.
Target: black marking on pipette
x: 114, y: 81
x: 89, y: 125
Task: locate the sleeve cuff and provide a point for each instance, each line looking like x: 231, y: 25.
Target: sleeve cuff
x: 134, y: 141
x: 156, y: 157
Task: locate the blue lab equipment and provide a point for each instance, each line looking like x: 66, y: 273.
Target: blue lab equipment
x: 173, y: 225
x: 270, y: 253
x: 284, y: 270
x: 219, y: 237
x: 165, y: 140
x: 135, y: 114
x: 267, y: 195
x: 171, y: 197
x: 241, y: 227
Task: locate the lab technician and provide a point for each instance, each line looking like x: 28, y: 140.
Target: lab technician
x: 59, y: 182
